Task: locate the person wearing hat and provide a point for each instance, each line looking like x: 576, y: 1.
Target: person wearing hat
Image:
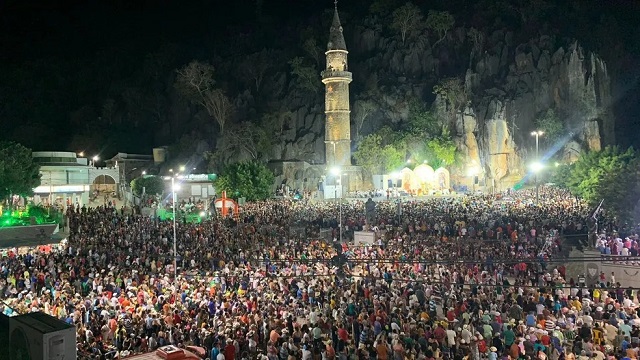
x: 330, y: 352
x: 493, y: 353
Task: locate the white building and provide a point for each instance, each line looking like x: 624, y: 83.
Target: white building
x: 193, y: 186
x: 68, y: 179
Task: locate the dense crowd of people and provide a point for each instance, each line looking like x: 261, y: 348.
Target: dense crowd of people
x: 445, y: 278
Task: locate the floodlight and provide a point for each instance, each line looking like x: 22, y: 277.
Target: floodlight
x: 537, y: 166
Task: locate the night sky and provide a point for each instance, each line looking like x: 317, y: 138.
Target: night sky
x: 82, y: 50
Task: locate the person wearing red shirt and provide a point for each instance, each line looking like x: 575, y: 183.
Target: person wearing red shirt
x: 343, y: 334
x: 229, y: 351
x: 439, y: 334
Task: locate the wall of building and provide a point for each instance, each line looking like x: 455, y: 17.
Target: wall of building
x: 626, y: 273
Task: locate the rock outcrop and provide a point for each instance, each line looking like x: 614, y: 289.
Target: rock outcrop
x: 507, y: 85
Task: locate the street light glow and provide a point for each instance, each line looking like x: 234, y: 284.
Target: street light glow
x: 537, y: 133
x: 181, y: 167
x: 96, y: 158
x: 335, y: 171
x: 473, y: 171
x: 537, y: 166
x: 144, y: 173
x: 176, y: 187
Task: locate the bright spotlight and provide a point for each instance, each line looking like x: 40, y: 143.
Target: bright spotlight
x: 335, y: 171
x: 202, y: 214
x: 96, y: 158
x: 182, y: 168
x: 537, y: 166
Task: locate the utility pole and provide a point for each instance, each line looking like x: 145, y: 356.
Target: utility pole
x: 537, y: 167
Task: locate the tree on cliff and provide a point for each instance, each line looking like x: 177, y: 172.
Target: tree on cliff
x: 379, y: 157
x: 306, y: 75
x: 610, y: 174
x: 195, y: 82
x: 19, y: 174
x: 248, y: 179
x: 151, y: 185
x: 442, y: 152
x: 423, y: 122
x: 407, y: 19
x: 255, y: 67
x: 551, y: 125
x: 363, y: 108
x: 453, y: 91
x: 440, y: 22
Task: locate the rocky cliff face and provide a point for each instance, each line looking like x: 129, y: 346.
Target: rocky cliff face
x: 507, y: 86
x: 539, y: 77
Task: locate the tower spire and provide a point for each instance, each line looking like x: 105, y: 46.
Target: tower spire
x: 336, y: 37
x: 336, y: 78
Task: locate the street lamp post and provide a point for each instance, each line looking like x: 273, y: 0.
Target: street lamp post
x: 175, y: 247
x: 537, y: 134
x: 395, y: 177
x: 175, y: 252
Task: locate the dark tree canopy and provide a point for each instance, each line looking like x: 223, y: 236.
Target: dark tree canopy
x: 248, y: 179
x: 610, y: 175
x: 152, y: 185
x: 19, y: 174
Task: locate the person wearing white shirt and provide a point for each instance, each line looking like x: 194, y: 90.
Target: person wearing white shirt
x: 451, y: 337
x: 306, y: 353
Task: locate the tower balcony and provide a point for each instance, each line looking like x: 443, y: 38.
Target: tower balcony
x: 333, y: 75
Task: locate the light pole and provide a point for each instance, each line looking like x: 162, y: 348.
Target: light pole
x: 537, y: 134
x: 395, y: 177
x: 174, y: 197
x: 336, y: 172
x: 473, y: 173
x: 536, y: 167
x: 175, y: 250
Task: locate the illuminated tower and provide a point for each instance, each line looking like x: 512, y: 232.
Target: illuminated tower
x: 336, y: 79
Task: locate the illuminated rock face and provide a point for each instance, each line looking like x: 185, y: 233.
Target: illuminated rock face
x: 494, y: 129
x: 336, y: 78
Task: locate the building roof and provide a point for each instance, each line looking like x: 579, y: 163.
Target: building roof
x: 126, y: 156
x: 42, y: 322
x: 336, y: 37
